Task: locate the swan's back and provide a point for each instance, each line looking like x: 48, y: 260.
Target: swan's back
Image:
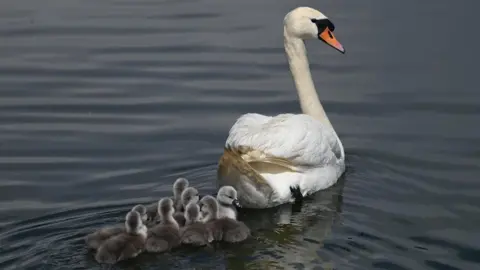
x: 299, y: 138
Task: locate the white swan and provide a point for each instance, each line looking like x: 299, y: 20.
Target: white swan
x: 272, y: 160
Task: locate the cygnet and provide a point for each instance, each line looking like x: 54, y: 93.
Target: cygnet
x: 195, y: 231
x: 165, y: 235
x: 178, y: 187
x: 190, y: 194
x: 95, y: 239
x: 125, y: 245
x: 228, y: 201
x: 224, y: 228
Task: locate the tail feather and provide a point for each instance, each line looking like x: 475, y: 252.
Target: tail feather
x: 93, y: 243
x: 235, y: 236
x: 193, y: 238
x: 105, y: 257
x: 156, y: 245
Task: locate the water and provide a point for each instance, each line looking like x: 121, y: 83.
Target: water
x: 103, y: 104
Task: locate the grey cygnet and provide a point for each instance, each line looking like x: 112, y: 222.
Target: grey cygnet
x: 164, y: 236
x: 95, y: 239
x: 125, y: 245
x: 190, y: 194
x: 228, y: 202
x: 178, y: 187
x: 224, y: 228
x: 195, y: 232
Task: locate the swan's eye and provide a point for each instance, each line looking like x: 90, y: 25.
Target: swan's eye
x: 323, y: 23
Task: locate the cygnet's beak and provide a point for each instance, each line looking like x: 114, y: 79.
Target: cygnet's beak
x: 236, y: 203
x: 328, y: 37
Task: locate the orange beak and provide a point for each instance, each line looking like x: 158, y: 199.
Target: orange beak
x: 328, y: 37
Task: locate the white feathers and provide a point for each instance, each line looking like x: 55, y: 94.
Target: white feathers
x: 304, y: 146
x: 312, y: 147
x: 298, y: 138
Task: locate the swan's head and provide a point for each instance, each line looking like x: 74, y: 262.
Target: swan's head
x: 308, y: 23
x: 228, y: 195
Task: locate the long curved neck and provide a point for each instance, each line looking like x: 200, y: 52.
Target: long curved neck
x: 297, y: 59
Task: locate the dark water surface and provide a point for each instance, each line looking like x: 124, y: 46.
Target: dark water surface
x: 103, y: 104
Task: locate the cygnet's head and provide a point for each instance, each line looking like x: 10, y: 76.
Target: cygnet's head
x: 179, y: 186
x: 190, y: 194
x: 308, y: 23
x: 192, y: 213
x: 228, y: 195
x: 208, y: 208
x: 133, y: 223
x: 165, y: 208
x: 142, y: 210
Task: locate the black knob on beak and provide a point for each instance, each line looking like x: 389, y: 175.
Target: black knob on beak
x: 236, y: 203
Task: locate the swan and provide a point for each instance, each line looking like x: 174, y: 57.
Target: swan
x: 166, y: 235
x: 178, y: 187
x: 125, y: 245
x: 190, y: 194
x: 221, y: 228
x: 195, y: 232
x: 272, y: 160
x: 96, y: 239
x: 228, y: 202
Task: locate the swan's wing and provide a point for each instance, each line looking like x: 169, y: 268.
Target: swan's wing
x: 286, y: 140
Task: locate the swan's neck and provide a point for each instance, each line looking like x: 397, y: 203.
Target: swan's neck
x: 297, y: 59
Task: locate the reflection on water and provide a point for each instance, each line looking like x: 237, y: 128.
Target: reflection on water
x: 104, y: 103
x: 290, y: 235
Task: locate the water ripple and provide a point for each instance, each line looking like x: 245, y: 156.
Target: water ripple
x: 104, y: 104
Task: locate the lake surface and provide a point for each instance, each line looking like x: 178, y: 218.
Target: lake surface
x: 103, y: 104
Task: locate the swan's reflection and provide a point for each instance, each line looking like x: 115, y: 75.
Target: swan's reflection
x: 288, y: 235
